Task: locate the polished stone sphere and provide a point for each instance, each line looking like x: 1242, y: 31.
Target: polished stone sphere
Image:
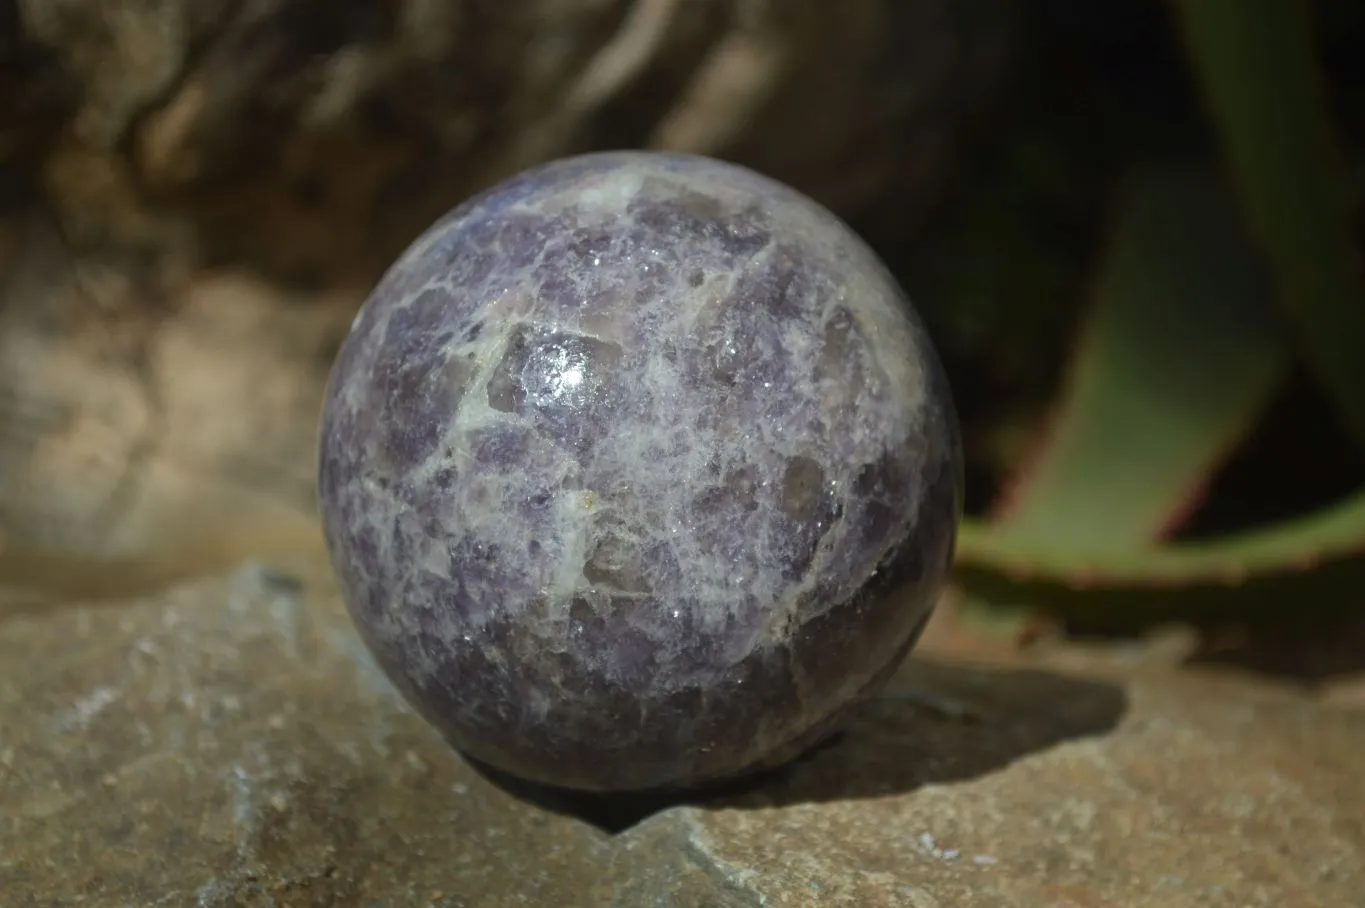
x: 638, y: 471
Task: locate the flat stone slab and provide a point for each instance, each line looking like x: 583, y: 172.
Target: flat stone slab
x: 228, y: 743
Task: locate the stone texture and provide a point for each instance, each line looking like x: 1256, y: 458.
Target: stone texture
x: 223, y: 745
x: 229, y: 743
x: 1204, y: 794
x: 637, y: 471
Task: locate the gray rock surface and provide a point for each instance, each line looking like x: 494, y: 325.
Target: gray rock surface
x: 638, y: 470
x: 228, y: 743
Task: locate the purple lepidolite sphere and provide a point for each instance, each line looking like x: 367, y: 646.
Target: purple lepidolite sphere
x: 638, y: 470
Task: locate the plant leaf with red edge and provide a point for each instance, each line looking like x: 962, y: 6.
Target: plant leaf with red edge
x: 1315, y: 562
x: 1181, y: 353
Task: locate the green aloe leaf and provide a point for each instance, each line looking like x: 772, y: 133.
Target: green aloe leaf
x: 1330, y: 534
x: 1315, y: 562
x: 1264, y: 88
x: 1181, y: 353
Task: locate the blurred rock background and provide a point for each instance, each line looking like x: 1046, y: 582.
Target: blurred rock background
x: 196, y: 196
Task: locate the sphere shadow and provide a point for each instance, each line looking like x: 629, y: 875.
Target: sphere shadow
x: 935, y: 723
